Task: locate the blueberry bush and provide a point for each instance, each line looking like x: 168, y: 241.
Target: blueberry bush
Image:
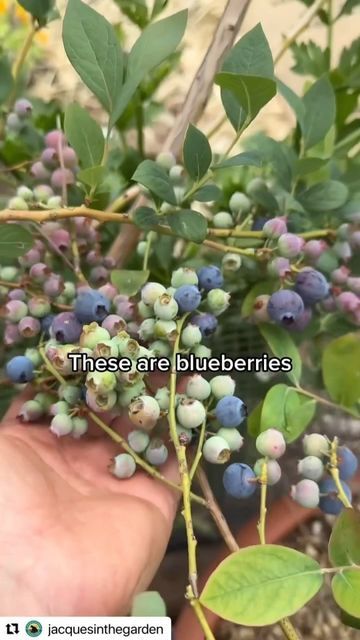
x: 266, y: 238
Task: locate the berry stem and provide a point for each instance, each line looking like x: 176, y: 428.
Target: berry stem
x: 201, y: 618
x: 216, y: 512
x: 198, y: 454
x: 334, y: 472
x: 299, y: 28
x: 149, y: 239
x: 328, y: 403
x: 263, y: 495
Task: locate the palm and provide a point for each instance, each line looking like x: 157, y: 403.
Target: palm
x: 74, y: 540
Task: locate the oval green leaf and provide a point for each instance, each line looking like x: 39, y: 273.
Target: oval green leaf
x: 145, y: 218
x: 344, y: 547
x: 346, y: 591
x: 197, y: 153
x: 283, y: 346
x: 188, y: 224
x: 15, y: 240
x: 155, y: 178
x: 341, y: 369
x: 286, y: 410
x: 85, y: 136
x: 129, y: 282
x: 242, y: 589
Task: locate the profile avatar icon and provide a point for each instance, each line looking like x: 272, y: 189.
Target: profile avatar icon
x: 33, y: 628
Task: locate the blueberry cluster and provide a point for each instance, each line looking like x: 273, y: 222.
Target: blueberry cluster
x: 241, y: 481
x: 318, y: 488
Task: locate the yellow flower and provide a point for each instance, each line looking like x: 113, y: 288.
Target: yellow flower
x: 3, y: 6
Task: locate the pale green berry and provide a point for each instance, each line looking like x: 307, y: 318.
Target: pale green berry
x: 179, y: 194
x: 231, y: 262
x: 160, y: 348
x: 311, y: 467
x: 184, y: 275
x: 147, y: 328
x: 60, y: 358
x: 141, y: 248
x: 233, y: 437
x: 25, y: 193
x: 129, y: 393
x: 198, y: 387
x: 171, y: 291
x: 61, y: 425
x: 271, y: 443
x: 191, y: 413
x: 106, y: 349
x: 18, y: 204
x: 92, y: 334
x: 9, y: 274
x: 45, y: 400
x: 70, y: 393
x: 316, y: 444
x: 177, y: 173
x: 144, y: 412
x: 306, y: 493
x: 273, y: 470
x: 101, y: 402
x: 223, y: 220
x: 54, y: 202
x: 138, y: 440
x: 216, y: 450
x: 121, y: 340
x: 166, y: 160
x: 157, y: 452
x: 222, y: 386
x: 124, y: 466
x: 69, y: 290
x: 31, y: 411
x: 61, y: 406
x: 239, y: 203
x: 162, y: 397
x: 218, y: 301
x: 34, y: 355
x: 80, y: 427
x: 201, y: 351
x: 145, y: 311
x: 151, y: 292
x: 130, y: 349
x: 101, y: 381
x: 165, y: 329
x: 191, y: 336
x: 166, y: 307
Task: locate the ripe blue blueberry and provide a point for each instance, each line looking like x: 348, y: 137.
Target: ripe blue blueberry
x: 206, y: 322
x: 285, y: 306
x: 329, y: 502
x: 210, y: 278
x: 306, y: 493
x: 91, y: 306
x: 347, y: 463
x: 46, y: 323
x: 230, y: 411
x: 20, y: 369
x: 239, y: 480
x: 312, y: 286
x: 188, y: 297
x: 66, y: 328
x: 216, y: 450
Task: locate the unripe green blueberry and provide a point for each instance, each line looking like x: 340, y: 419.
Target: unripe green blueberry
x: 147, y: 328
x: 233, y: 437
x: 231, y: 262
x: 145, y: 311
x: 70, y: 393
x: 239, y: 203
x: 106, y: 349
x: 92, y: 334
x: 101, y: 402
x: 138, y: 440
x: 58, y: 357
x: 15, y: 310
x: 185, y: 435
x: 17, y: 204
x: 190, y: 413
x: 129, y: 348
x: 157, y: 452
x: 273, y: 470
x: 311, y: 467
x: 34, y: 355
x: 151, y: 292
x: 162, y: 397
x: 166, y: 307
x: 182, y: 276
x: 61, y: 425
x: 306, y: 493
x: 218, y: 301
x: 69, y: 290
x: 144, y: 412
x: 165, y: 329
x: 255, y: 186
x: 54, y: 202
x: 129, y: 393
x: 124, y: 466
x: 9, y: 274
x: 25, y: 193
x: 177, y: 173
x: 201, y: 351
x: 191, y: 336
x: 141, y: 248
x: 216, y: 450
x: 166, y: 160
x: 61, y: 406
x: 223, y: 220
x: 45, y: 400
x: 198, y: 387
x: 80, y: 427
x: 315, y: 444
x: 271, y: 443
x: 31, y: 411
x: 179, y: 194
x: 101, y: 381
x: 160, y: 348
x: 39, y: 306
x: 222, y: 386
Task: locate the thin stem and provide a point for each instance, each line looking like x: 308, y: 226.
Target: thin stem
x: 334, y: 472
x: 139, y: 116
x: 19, y: 63
x: 322, y: 400
x: 299, y: 28
x: 216, y: 512
x: 149, y: 240
x: 263, y: 496
x: 202, y: 619
x: 330, y: 31
x: 199, y: 449
x: 288, y: 629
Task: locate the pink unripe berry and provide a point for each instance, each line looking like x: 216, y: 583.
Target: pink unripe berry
x: 61, y: 239
x: 30, y: 258
x: 61, y: 178
x: 39, y: 272
x: 54, y: 139
x: 124, y: 307
x: 17, y: 294
x: 108, y: 290
x: 15, y: 310
x: 271, y: 443
x: 54, y: 286
x: 314, y: 248
x: 29, y: 327
x: 23, y: 108
x: 273, y: 470
x: 113, y: 324
x: 275, y: 227
x: 348, y: 302
x: 39, y: 171
x: 340, y: 275
x: 279, y: 267
x: 69, y: 158
x: 306, y: 493
x: 290, y: 245
x: 93, y: 258
x: 354, y: 284
x: 50, y: 158
x: 11, y: 335
x: 355, y: 239
x: 99, y: 275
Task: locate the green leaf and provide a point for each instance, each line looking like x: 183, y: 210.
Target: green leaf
x: 263, y: 196
x: 92, y: 176
x: 310, y: 59
x: 344, y: 548
x: 135, y: 10
x: 93, y: 49
x: 346, y: 589
x: 278, y: 155
x: 7, y: 81
x: 38, y: 8
x: 348, y: 7
x: 251, y: 56
x: 145, y: 218
x: 251, y: 92
x: 320, y: 112
x: 85, y: 135
x: 304, y: 166
x: 324, y: 196
x: 197, y: 153
x: 208, y: 193
x: 247, y: 159
x: 156, y: 43
x: 159, y: 6
x: 15, y: 240
x: 341, y: 369
x: 288, y: 410
x: 293, y: 101
x: 188, y: 224
x: 243, y: 586
x: 349, y: 621
x: 149, y: 603
x: 155, y: 178
x: 129, y: 282
x: 283, y: 346
x: 253, y: 421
